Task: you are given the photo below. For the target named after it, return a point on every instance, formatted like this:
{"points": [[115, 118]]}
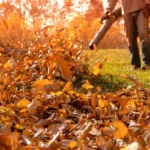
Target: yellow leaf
{"points": [[87, 86], [73, 144], [67, 86], [23, 103], [120, 129], [101, 103], [125, 148], [97, 68], [19, 127]]}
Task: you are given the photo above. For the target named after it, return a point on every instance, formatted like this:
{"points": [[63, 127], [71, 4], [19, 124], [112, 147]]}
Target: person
{"points": [[136, 21]]}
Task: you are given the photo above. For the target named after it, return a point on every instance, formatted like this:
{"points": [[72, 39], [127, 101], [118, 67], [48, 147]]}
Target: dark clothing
{"points": [[137, 26]]}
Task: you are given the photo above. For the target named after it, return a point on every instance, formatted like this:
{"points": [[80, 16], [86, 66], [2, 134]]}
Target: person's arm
{"points": [[146, 10], [109, 5], [147, 1]]}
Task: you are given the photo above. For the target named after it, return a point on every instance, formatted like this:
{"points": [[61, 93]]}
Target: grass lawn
{"points": [[117, 63]]}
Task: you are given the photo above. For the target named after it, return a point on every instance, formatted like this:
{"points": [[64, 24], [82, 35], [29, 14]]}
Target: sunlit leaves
{"points": [[49, 101]]}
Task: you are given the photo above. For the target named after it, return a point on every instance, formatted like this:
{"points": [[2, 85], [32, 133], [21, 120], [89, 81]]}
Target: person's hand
{"points": [[146, 10], [105, 16]]}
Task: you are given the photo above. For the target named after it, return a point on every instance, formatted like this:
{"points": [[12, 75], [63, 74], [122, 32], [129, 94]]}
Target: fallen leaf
{"points": [[73, 144], [46, 85], [120, 129], [23, 103], [63, 64], [33, 106], [94, 100]]}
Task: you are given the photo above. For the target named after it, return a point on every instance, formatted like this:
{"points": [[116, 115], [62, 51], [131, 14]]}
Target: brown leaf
{"points": [[5, 141], [84, 130], [100, 141], [33, 106], [94, 100]]}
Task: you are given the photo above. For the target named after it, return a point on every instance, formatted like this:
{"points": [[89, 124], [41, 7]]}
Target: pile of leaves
{"points": [[40, 109]]}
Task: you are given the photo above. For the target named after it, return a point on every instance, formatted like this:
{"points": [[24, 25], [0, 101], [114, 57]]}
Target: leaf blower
{"points": [[105, 27]]}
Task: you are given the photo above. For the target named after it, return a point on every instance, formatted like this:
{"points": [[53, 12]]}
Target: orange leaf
{"points": [[45, 85], [8, 66], [63, 64], [5, 141], [94, 100], [5, 24], [73, 144], [95, 48], [120, 129], [23, 103], [67, 86]]}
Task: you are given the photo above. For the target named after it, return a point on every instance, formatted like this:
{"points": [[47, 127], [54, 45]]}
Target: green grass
{"points": [[117, 63]]}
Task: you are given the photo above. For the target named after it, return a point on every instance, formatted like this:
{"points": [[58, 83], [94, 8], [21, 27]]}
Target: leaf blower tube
{"points": [[105, 27]]}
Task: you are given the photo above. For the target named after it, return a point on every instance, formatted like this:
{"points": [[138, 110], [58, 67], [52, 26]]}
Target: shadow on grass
{"points": [[106, 83]]}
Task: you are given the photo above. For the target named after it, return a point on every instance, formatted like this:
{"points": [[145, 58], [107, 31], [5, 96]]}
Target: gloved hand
{"points": [[105, 16], [146, 10]]}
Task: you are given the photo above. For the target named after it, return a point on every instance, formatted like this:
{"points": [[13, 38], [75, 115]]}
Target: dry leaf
{"points": [[46, 85], [33, 106], [73, 144], [39, 84], [120, 129], [87, 86], [23, 103], [63, 64], [67, 86], [15, 140], [96, 69], [8, 66], [95, 48], [94, 100], [5, 141]]}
